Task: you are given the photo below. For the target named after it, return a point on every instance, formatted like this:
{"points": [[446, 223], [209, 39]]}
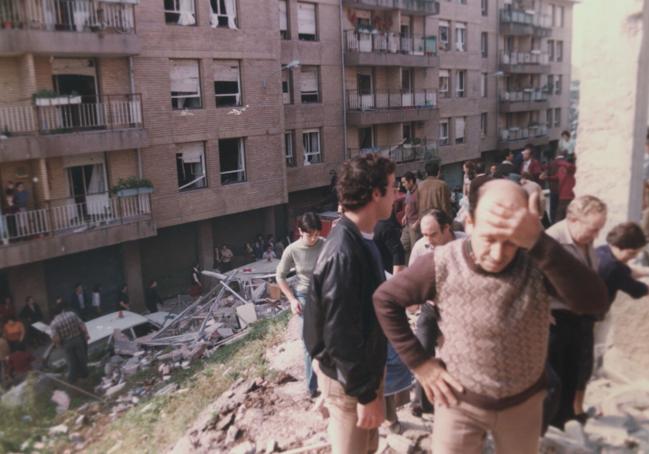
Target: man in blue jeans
{"points": [[302, 255]]}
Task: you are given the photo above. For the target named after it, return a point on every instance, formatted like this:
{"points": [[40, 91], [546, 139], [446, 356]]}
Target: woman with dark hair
{"points": [[302, 255], [469, 175]]}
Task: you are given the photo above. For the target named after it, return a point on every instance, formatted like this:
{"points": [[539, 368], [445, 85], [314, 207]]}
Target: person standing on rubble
{"points": [[70, 333], [302, 255], [340, 326]]}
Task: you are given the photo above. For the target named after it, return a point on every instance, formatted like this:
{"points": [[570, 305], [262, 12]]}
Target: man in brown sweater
{"points": [[433, 193], [493, 294]]}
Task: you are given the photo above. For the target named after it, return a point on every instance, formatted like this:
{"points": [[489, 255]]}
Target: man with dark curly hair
{"points": [[340, 327]]}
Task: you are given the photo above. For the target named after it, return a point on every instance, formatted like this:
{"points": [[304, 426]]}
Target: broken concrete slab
{"points": [[244, 448], [115, 389], [400, 443], [247, 314], [62, 401]]}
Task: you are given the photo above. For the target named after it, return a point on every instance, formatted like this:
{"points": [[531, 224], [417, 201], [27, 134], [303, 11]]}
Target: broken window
{"points": [[309, 82], [232, 160], [289, 149], [459, 130], [227, 83], [190, 166], [180, 12], [287, 87], [283, 20], [311, 143], [224, 13], [307, 29], [185, 84]]}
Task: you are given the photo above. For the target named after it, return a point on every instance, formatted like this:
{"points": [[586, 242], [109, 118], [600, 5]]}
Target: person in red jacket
{"points": [[529, 164], [561, 178]]}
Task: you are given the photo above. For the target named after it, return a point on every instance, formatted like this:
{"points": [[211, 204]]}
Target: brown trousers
{"points": [[344, 436], [463, 429]]}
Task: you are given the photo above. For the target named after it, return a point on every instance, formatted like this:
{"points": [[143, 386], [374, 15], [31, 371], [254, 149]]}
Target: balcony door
{"points": [[84, 115], [88, 189], [407, 87], [365, 90]]}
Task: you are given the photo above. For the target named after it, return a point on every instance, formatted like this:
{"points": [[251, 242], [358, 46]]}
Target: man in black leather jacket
{"points": [[340, 327]]}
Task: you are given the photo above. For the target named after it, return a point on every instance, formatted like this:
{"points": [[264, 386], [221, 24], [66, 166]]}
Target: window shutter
{"points": [[283, 15], [184, 76], [309, 82], [459, 128], [226, 71], [306, 18], [191, 152]]}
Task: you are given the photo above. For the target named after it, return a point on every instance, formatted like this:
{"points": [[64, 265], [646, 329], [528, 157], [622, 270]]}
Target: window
{"points": [[460, 81], [559, 50], [283, 20], [460, 37], [185, 84], [459, 130], [306, 22], [483, 124], [227, 83], [311, 143], [553, 15], [287, 86], [551, 50], [484, 7], [180, 12], [444, 83], [557, 84], [406, 80], [484, 44], [461, 2], [289, 149], [232, 159], [443, 132], [557, 117], [483, 85], [408, 133], [365, 138], [556, 12], [550, 86], [444, 42], [190, 166], [223, 13], [309, 83], [561, 15], [548, 118]]}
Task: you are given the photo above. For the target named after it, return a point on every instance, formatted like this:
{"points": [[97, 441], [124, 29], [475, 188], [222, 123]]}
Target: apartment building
{"points": [[238, 112]]}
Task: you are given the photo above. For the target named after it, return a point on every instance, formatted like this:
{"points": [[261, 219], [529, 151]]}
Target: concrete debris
{"points": [[61, 429], [62, 401], [122, 345], [247, 314], [115, 389], [232, 434], [167, 389], [400, 443], [244, 448]]}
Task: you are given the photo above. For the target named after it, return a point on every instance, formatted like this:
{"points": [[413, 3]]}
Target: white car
{"points": [[101, 330]]}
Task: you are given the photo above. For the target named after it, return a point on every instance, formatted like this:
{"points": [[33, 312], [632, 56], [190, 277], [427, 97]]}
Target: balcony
{"points": [[66, 227], [519, 137], [524, 101], [522, 23], [535, 62], [68, 27], [389, 106], [71, 125], [412, 7], [372, 48]]}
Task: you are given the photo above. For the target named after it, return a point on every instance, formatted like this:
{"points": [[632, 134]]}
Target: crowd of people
{"points": [[505, 293]]}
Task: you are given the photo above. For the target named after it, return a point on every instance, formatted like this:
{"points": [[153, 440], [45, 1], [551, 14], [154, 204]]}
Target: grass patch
{"points": [[167, 417]]}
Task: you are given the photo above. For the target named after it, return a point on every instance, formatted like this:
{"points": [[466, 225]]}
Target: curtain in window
{"points": [[186, 16], [80, 14], [240, 163], [231, 12]]}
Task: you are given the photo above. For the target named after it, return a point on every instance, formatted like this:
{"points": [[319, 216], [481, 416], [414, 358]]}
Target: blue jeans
{"points": [[311, 377]]}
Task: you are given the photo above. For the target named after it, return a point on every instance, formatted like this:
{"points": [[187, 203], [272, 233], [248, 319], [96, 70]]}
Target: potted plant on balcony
{"points": [[132, 186], [51, 98]]}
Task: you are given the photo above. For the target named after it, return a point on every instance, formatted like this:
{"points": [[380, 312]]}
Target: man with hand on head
{"points": [[493, 294]]}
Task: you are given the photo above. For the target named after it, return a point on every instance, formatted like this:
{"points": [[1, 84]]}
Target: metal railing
{"points": [[424, 6], [69, 15], [425, 150], [524, 58], [512, 16], [391, 99], [72, 113], [526, 95], [388, 42], [530, 132], [99, 210]]}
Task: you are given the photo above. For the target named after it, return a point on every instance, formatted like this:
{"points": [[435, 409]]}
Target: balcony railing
{"points": [[72, 113], [69, 15], [424, 6], [387, 99], [390, 43], [526, 95], [512, 16], [524, 58], [530, 132], [423, 151], [99, 210]]}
